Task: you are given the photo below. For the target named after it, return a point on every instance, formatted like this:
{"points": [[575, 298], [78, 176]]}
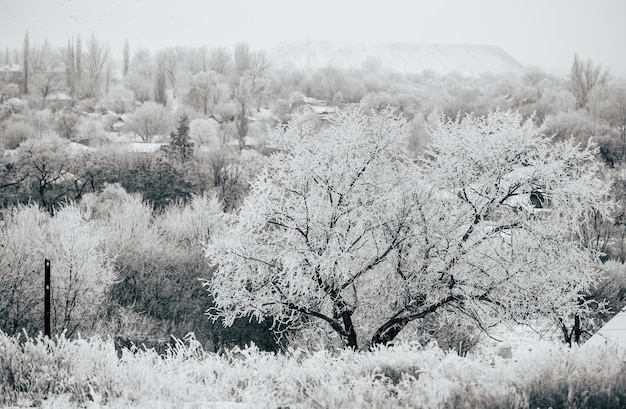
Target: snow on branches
{"points": [[341, 226]]}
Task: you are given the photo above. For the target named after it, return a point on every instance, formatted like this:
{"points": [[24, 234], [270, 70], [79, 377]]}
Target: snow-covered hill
{"points": [[469, 60]]}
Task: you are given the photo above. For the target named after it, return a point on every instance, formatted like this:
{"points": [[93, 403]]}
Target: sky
{"points": [[544, 33]]}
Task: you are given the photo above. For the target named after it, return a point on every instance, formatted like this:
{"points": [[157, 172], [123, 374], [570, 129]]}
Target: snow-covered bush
{"points": [[81, 273]]}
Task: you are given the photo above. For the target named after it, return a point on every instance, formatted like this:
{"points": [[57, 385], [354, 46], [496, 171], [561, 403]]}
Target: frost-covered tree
{"points": [[119, 100], [97, 56], [45, 74], [514, 204], [180, 147], [22, 238], [615, 112], [126, 53], [218, 60], [204, 92], [81, 273], [45, 82], [342, 227], [244, 97], [45, 166], [377, 101], [160, 94], [140, 77], [26, 51], [242, 57], [204, 132], [584, 78], [150, 121]]}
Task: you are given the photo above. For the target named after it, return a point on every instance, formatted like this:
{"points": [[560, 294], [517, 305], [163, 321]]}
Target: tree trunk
{"points": [[577, 331], [387, 333], [346, 316], [573, 334], [390, 329]]}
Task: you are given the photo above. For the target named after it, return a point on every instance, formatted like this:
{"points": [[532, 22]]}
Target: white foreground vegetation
{"points": [[80, 373], [343, 228]]}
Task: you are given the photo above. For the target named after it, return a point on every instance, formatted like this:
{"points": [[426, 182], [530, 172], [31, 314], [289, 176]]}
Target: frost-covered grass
{"points": [[81, 372]]}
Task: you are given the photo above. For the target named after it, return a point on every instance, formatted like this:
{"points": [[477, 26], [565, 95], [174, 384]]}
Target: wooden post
{"points": [[46, 306]]}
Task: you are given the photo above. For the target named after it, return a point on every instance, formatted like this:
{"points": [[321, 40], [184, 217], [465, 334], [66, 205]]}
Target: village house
{"points": [[11, 74]]}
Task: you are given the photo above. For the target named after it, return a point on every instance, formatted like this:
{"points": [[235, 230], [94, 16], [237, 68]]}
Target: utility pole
{"points": [[46, 306]]}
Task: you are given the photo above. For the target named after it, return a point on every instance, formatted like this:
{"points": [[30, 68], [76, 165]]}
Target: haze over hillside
{"points": [[469, 60]]}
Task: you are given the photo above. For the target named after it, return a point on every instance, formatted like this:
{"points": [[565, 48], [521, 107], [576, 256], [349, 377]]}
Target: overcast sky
{"points": [[546, 33]]}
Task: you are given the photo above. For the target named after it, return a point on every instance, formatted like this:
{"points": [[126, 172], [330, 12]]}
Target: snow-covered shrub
{"points": [[16, 132], [81, 273], [407, 375], [194, 222]]}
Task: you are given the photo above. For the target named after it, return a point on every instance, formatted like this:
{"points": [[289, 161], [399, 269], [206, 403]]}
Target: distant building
{"points": [[248, 143], [314, 101], [11, 74], [80, 146], [119, 124], [142, 147], [58, 100], [264, 114], [321, 108], [323, 111]]}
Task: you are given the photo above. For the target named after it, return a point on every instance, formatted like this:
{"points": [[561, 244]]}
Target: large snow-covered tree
{"points": [[341, 226], [514, 205]]}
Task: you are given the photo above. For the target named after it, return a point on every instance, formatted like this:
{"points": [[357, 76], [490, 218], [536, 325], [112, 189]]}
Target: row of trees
{"points": [[51, 172], [46, 70], [212, 82], [232, 86]]}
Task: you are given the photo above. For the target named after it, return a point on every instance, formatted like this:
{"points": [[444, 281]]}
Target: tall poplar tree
{"points": [[126, 57], [26, 60]]}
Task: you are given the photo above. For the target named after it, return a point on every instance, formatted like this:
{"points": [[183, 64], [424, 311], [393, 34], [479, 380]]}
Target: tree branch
{"points": [[332, 322], [390, 329]]}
